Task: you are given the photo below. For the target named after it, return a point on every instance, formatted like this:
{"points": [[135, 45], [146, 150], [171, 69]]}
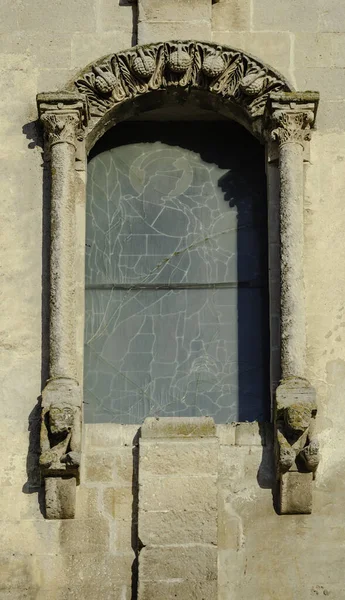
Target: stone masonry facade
{"points": [[130, 520]]}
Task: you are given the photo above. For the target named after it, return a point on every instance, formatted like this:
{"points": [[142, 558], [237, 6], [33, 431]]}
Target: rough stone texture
{"points": [[261, 555], [179, 20], [60, 497], [178, 501], [296, 493]]}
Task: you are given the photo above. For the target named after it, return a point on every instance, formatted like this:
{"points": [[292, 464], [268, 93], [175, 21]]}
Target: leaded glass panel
{"points": [[176, 298]]}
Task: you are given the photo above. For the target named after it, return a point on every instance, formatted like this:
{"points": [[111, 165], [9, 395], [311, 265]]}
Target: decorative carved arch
{"points": [[112, 89], [225, 79]]}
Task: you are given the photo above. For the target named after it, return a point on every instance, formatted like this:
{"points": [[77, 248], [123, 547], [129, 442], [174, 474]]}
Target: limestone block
{"points": [[296, 493], [235, 39], [330, 82], [30, 16], [16, 573], [167, 493], [171, 427], [178, 527], [317, 50], [231, 15], [18, 537], [15, 504], [226, 434], [84, 536], [122, 539], [332, 16], [60, 497], [160, 457], [249, 434], [54, 79], [170, 590], [157, 31], [99, 467], [45, 50], [118, 502], [192, 562], [109, 435], [296, 15], [331, 116], [87, 502], [82, 569], [120, 16], [179, 10], [86, 48]]}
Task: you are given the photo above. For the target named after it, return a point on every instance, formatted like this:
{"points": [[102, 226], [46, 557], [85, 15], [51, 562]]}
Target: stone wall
{"points": [[261, 555]]}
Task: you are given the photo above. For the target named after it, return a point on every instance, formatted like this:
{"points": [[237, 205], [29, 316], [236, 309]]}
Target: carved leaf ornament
{"points": [[220, 70]]}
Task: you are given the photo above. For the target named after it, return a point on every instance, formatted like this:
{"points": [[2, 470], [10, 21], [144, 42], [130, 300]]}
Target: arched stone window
{"points": [[233, 85]]}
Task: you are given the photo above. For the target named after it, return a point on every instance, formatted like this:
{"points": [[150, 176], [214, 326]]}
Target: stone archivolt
{"points": [[220, 70]]}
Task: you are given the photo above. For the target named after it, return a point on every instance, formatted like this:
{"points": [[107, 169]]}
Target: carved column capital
{"points": [[64, 117], [290, 116]]}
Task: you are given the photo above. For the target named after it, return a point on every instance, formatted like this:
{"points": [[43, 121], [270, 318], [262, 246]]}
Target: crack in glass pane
{"points": [[162, 214]]}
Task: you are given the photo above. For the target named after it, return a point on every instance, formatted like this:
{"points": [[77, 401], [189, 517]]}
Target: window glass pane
{"points": [[176, 304]]}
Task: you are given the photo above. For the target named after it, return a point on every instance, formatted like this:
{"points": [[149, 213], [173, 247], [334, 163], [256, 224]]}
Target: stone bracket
{"points": [[296, 445]]}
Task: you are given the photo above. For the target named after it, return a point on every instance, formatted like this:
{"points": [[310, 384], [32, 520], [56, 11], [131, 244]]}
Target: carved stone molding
{"points": [[64, 117], [230, 74]]}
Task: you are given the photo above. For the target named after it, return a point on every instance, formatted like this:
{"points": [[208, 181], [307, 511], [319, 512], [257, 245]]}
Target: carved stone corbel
{"points": [[290, 117], [63, 115]]}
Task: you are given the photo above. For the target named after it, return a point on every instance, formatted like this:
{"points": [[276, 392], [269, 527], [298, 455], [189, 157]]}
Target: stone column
{"points": [[291, 117], [63, 116]]}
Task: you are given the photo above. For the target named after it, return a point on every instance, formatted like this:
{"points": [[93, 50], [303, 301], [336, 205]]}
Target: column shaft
{"points": [[293, 336], [62, 259]]}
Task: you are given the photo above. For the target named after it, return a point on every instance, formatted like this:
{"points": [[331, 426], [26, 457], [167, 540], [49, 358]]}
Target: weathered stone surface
{"points": [[99, 467], [179, 10], [231, 15], [121, 17], [174, 427], [296, 493], [192, 562], [118, 502], [84, 536], [178, 527], [297, 15], [86, 48], [166, 493], [332, 16], [161, 457], [157, 31], [170, 590], [60, 497], [249, 434], [226, 434], [109, 435]]}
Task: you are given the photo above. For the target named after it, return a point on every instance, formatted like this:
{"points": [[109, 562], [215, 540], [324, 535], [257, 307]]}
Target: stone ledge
{"points": [[178, 427]]}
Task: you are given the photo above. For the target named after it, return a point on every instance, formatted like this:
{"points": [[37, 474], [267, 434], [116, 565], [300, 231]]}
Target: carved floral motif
{"points": [[60, 127], [292, 126], [220, 70]]}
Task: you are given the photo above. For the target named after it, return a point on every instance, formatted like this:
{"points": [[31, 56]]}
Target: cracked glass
{"points": [[176, 274]]}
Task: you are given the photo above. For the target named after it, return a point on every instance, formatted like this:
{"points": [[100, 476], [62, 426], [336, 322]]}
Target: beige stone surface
{"points": [[160, 31], [179, 10], [231, 15]]}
